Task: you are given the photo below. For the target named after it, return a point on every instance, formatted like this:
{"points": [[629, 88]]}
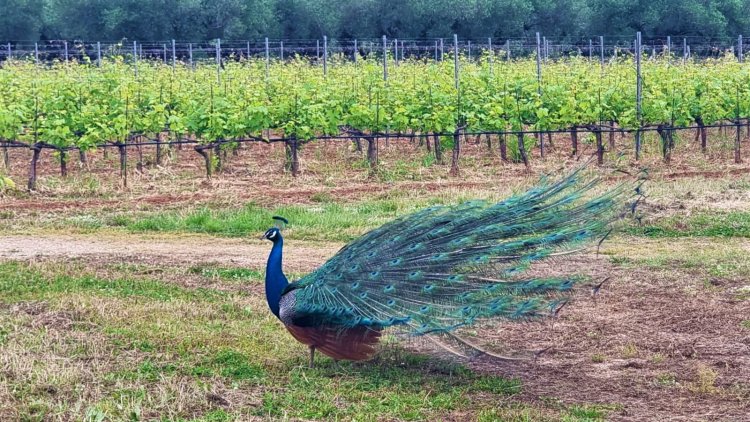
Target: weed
{"points": [[657, 358], [629, 351], [705, 382], [666, 380]]}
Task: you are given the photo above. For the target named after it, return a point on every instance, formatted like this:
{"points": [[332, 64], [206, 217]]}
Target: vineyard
{"points": [[131, 288], [122, 104]]}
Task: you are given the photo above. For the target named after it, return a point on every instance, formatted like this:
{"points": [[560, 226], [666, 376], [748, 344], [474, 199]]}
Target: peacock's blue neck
{"points": [[275, 279]]}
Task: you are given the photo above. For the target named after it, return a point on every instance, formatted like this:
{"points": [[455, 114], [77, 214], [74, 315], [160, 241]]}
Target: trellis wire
{"points": [[390, 135], [419, 48]]}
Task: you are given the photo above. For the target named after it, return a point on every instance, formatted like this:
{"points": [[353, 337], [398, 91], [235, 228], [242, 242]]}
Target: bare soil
{"points": [[660, 345], [335, 168], [163, 250]]}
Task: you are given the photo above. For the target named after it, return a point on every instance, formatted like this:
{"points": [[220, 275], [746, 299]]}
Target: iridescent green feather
{"points": [[447, 266]]}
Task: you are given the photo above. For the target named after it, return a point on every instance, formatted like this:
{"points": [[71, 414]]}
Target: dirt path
{"points": [[167, 250]]}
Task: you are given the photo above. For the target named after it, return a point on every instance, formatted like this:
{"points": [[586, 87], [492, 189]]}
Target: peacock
{"points": [[445, 267]]}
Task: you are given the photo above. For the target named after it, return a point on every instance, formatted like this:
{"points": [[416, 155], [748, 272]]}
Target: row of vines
{"points": [[77, 106]]}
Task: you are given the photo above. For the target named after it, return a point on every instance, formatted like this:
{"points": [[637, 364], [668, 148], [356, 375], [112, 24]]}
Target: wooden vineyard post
{"points": [[372, 151], [395, 51], [325, 55], [385, 58], [684, 50], [611, 135], [455, 61], [737, 143], [457, 133], [522, 150], [158, 149], [135, 57], [574, 140], [438, 149], [539, 86], [123, 163], [456, 152], [638, 95], [218, 60], [63, 162], [503, 141], [36, 150], [599, 144], [268, 59], [294, 149], [218, 165], [83, 157], [491, 57]]}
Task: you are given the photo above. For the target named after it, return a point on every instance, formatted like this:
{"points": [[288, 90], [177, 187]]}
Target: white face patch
{"points": [[272, 235]]}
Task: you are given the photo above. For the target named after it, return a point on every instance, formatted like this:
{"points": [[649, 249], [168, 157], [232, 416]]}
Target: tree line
{"points": [[151, 20]]}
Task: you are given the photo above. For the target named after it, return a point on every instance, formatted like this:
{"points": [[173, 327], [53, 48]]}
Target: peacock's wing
{"points": [[444, 267]]}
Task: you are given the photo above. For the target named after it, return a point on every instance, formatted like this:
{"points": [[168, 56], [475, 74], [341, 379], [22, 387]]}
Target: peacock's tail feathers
{"points": [[447, 266]]}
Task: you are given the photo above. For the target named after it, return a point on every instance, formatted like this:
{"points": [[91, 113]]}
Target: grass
{"points": [[713, 259], [19, 282], [342, 222], [76, 346], [714, 224], [228, 274], [329, 221]]}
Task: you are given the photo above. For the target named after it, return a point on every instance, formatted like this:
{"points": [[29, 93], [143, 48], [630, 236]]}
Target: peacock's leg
{"points": [[312, 356]]}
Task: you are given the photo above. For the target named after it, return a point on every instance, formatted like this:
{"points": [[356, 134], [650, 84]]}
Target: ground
{"points": [[147, 302]]}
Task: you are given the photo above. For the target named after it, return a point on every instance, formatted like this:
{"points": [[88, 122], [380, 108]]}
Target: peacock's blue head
{"points": [[273, 234]]}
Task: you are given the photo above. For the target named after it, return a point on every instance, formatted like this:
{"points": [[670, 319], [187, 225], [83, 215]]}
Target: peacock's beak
{"points": [[262, 237]]}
